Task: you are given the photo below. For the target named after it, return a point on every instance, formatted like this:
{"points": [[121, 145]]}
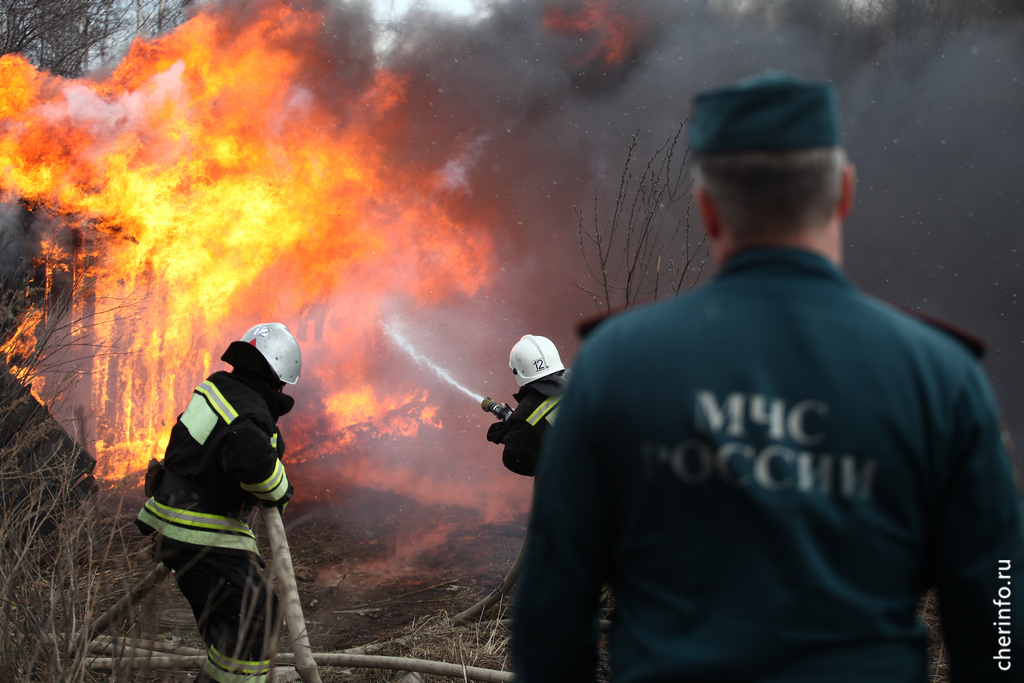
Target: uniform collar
{"points": [[278, 403], [548, 386], [781, 261]]}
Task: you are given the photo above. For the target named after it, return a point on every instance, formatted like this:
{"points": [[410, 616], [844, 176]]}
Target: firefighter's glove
{"points": [[282, 502], [154, 475], [497, 431]]}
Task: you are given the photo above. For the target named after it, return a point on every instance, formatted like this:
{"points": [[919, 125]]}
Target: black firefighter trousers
{"points": [[235, 610]]}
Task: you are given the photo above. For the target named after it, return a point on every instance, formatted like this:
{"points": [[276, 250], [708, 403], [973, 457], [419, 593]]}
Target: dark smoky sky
{"points": [[523, 123]]}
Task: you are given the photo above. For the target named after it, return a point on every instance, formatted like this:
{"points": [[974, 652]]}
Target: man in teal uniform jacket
{"points": [[772, 470]]}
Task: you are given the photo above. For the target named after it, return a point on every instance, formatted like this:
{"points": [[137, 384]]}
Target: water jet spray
{"points": [[396, 336]]}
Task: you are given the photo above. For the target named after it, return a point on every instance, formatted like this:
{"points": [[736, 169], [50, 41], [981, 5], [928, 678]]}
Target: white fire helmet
{"points": [[279, 347], [532, 358]]}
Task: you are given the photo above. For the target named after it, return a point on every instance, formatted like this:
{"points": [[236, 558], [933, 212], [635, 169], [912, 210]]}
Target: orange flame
{"points": [[391, 416], [20, 346], [216, 180], [613, 34]]}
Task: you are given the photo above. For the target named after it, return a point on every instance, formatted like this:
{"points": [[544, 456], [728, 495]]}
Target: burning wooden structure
{"points": [[43, 471]]}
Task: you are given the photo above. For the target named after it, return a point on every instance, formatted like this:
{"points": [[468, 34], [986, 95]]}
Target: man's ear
{"points": [[709, 214], [847, 191]]}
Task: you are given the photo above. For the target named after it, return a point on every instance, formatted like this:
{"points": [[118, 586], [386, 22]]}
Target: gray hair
{"points": [[773, 192]]}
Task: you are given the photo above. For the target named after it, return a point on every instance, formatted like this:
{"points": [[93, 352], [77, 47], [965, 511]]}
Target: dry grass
{"points": [[437, 638], [62, 561], [938, 659], [53, 586]]}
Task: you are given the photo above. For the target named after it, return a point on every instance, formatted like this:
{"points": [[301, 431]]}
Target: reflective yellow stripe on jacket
{"points": [[198, 528], [217, 400], [273, 487], [199, 418], [548, 406]]}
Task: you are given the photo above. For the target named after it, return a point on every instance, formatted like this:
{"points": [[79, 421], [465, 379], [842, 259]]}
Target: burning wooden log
{"points": [[43, 471]]}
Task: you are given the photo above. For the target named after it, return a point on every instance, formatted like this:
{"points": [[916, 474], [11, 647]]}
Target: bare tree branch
{"points": [[628, 253]]}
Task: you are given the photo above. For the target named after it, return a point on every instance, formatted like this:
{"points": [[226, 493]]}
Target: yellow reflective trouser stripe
{"points": [[543, 409], [226, 670], [231, 533], [217, 400], [273, 487]]}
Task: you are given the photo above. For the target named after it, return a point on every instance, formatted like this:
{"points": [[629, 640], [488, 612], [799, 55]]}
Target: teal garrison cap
{"points": [[770, 111]]}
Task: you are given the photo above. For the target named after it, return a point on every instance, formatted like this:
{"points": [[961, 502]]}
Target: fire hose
{"points": [[147, 659], [502, 410], [305, 665], [480, 608], [304, 662]]}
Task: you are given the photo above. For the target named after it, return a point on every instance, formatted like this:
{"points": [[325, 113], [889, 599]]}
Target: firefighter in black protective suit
{"points": [[223, 457], [539, 371]]}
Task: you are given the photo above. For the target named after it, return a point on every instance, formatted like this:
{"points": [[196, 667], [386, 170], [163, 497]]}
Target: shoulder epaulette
{"points": [[588, 325], [973, 342]]}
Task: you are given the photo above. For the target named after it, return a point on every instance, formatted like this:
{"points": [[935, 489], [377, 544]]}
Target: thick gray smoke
{"points": [[527, 123], [520, 117]]}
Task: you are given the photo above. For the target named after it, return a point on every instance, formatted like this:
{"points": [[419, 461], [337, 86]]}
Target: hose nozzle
{"points": [[502, 411]]}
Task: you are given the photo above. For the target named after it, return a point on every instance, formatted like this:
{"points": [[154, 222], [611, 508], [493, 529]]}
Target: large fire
{"points": [[222, 178]]}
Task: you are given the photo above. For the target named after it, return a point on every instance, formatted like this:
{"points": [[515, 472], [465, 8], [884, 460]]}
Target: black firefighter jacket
{"points": [[523, 432], [223, 456]]}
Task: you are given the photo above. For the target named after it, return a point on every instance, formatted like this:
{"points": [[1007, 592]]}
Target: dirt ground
{"points": [[368, 568], [380, 561]]}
